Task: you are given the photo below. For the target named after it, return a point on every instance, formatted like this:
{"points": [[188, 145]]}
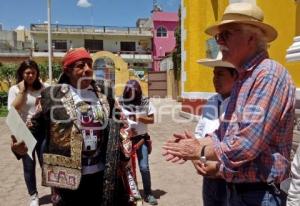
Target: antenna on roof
{"points": [[154, 3], [156, 7]]}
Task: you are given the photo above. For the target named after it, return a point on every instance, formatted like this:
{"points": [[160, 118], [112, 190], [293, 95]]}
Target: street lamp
{"points": [[49, 42]]}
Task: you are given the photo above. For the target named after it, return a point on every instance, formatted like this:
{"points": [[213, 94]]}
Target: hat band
{"points": [[239, 17]]}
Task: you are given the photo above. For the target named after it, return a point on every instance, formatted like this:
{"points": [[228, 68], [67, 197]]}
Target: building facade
{"points": [[164, 42], [15, 46], [150, 41]]}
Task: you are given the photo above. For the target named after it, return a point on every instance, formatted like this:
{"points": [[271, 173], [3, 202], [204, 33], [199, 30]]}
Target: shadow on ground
{"points": [[46, 199], [156, 193]]}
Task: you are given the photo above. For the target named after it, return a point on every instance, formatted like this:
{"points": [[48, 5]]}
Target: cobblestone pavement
{"points": [[172, 184]]}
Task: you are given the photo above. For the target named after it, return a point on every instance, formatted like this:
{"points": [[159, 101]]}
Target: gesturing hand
{"points": [[183, 146], [19, 148], [21, 86], [210, 168]]}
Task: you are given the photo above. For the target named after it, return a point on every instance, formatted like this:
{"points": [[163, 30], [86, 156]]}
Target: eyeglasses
{"points": [[81, 64], [223, 36]]}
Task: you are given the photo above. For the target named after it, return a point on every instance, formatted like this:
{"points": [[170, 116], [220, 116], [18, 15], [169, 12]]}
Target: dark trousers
{"points": [[29, 170], [89, 192], [254, 194], [143, 159], [214, 192]]}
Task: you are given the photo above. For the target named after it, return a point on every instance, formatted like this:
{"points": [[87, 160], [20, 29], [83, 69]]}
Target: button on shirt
{"points": [[254, 140], [209, 120]]}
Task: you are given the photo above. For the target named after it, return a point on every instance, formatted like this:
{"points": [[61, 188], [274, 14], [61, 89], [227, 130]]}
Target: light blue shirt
{"points": [[212, 111]]}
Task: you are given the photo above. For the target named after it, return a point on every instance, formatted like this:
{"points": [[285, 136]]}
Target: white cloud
{"points": [[20, 27], [84, 3]]}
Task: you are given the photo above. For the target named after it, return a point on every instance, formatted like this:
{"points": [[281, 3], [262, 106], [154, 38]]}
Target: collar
{"points": [[252, 63], [221, 99]]}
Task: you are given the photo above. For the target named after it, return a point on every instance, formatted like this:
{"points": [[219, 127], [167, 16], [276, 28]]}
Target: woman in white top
{"points": [[25, 96], [140, 112]]}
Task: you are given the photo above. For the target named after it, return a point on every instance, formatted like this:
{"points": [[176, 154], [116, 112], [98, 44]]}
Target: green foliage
{"points": [[56, 71], [8, 73], [176, 56], [3, 111], [3, 104], [3, 98]]}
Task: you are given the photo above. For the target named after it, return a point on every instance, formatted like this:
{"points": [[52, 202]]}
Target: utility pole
{"points": [[49, 43]]}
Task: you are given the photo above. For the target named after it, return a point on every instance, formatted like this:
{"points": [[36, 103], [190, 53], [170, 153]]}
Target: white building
{"points": [[133, 44]]}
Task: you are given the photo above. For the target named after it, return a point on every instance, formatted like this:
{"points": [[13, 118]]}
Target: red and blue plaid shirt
{"points": [[254, 139]]}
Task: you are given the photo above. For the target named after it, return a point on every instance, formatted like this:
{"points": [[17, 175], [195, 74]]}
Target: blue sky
{"points": [[14, 13]]}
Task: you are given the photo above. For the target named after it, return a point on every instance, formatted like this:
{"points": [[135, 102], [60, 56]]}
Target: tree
{"points": [[56, 71], [8, 73], [176, 55]]}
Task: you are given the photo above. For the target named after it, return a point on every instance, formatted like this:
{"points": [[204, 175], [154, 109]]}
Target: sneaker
{"points": [[34, 200], [151, 200]]}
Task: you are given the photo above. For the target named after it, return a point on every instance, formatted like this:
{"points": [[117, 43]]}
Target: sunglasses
{"points": [[81, 64], [224, 35]]}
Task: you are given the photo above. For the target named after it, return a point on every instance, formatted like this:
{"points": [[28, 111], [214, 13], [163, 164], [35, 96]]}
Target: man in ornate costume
{"points": [[81, 157]]}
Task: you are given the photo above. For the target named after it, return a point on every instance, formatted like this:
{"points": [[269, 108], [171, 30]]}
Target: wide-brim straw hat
{"points": [[244, 13], [217, 62]]}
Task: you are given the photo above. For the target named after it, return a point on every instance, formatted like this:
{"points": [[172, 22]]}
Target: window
{"points": [[105, 70], [212, 48], [60, 45], [93, 45], [127, 46], [161, 32]]}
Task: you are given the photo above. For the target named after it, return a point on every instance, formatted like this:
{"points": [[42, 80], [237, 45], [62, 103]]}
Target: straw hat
{"points": [[217, 62], [244, 13]]}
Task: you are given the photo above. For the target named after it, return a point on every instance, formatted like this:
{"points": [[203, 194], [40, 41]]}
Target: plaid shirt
{"points": [[254, 139]]}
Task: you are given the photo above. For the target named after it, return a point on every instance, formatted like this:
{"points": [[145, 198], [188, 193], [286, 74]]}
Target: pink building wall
{"points": [[163, 45]]}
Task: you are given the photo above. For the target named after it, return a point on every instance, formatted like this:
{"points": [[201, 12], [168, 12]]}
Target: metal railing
{"points": [[90, 29]]}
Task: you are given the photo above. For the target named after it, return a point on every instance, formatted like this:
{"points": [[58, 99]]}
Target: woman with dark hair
{"points": [[25, 97], [140, 112]]}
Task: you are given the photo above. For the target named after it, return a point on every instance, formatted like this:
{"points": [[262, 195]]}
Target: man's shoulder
{"points": [[271, 66], [213, 98], [53, 88], [54, 92]]}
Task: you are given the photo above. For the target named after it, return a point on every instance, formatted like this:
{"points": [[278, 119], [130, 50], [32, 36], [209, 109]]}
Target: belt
{"points": [[257, 186]]}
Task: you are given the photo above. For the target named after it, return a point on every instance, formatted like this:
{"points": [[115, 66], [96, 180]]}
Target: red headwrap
{"points": [[74, 55]]}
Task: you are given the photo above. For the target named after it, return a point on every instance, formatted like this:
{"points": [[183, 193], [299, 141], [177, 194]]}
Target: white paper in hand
{"points": [[19, 129]]}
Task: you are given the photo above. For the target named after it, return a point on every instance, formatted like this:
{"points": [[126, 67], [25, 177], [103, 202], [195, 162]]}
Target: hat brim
{"points": [[269, 31], [215, 63]]}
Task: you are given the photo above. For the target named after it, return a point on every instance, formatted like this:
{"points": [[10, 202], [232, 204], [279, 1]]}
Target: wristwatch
{"points": [[202, 155]]}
